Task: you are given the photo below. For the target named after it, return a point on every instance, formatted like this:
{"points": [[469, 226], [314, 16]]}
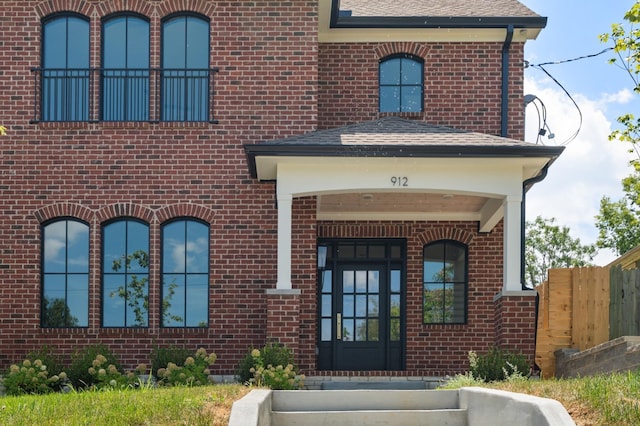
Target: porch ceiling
{"points": [[385, 205]]}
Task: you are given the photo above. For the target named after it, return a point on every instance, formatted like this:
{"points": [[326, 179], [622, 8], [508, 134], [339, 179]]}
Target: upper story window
{"points": [[185, 274], [65, 274], [401, 84], [125, 63], [125, 274], [65, 68], [185, 64], [125, 86], [445, 283]]}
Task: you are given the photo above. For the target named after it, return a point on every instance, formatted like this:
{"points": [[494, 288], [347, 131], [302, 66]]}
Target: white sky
{"points": [[591, 166]]}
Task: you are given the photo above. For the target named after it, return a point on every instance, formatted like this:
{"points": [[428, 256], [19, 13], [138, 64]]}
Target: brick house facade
{"points": [[262, 210]]}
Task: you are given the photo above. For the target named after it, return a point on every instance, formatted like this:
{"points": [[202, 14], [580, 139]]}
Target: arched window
{"points": [[65, 274], [185, 64], [65, 68], [125, 274], [125, 63], [401, 84], [185, 274], [445, 283]]}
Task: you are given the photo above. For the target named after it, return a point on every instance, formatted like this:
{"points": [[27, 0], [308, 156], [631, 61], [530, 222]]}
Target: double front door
{"points": [[361, 298]]}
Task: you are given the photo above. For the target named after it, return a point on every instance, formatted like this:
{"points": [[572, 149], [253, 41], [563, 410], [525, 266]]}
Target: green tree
{"points": [[56, 313], [135, 293], [618, 222], [548, 245], [626, 46]]}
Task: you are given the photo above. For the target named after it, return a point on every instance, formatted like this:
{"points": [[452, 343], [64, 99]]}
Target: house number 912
{"points": [[399, 181]]}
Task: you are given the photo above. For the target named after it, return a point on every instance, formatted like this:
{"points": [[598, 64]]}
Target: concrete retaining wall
{"points": [[617, 355]]}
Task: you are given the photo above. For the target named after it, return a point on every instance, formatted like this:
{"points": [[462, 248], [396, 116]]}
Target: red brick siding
{"points": [[462, 84], [515, 322], [266, 88]]}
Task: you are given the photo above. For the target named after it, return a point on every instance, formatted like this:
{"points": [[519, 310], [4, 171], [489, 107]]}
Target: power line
{"points": [[541, 66]]}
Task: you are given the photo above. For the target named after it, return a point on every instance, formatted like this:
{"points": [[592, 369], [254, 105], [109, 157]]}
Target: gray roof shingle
{"points": [[441, 8], [396, 131]]}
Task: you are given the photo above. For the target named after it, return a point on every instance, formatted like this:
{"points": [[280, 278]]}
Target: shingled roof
{"points": [[396, 137], [479, 14], [443, 8]]}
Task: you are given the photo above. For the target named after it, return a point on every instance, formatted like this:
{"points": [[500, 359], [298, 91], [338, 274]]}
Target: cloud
{"points": [[590, 167], [623, 96]]}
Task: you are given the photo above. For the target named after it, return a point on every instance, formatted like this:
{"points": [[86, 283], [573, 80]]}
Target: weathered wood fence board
{"points": [[625, 297]]}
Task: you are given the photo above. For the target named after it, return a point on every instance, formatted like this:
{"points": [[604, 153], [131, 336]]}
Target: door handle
{"points": [[339, 326]]}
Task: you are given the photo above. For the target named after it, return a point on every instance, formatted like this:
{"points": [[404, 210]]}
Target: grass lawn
{"points": [[193, 406], [605, 400]]}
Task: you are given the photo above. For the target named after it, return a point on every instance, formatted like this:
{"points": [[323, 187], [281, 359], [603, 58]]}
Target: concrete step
{"points": [[452, 417], [364, 400]]}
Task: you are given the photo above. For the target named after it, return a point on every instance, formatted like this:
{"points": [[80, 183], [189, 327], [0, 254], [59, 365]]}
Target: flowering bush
{"points": [[278, 377], [83, 359], [107, 376], [194, 372], [31, 377], [272, 353]]}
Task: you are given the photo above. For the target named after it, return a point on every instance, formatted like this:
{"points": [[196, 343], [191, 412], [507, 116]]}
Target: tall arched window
{"points": [[185, 63], [185, 274], [65, 68], [401, 84], [445, 283], [125, 63], [65, 274], [125, 274]]}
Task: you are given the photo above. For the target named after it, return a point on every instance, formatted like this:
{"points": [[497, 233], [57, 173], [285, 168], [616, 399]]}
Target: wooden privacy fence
{"points": [[625, 294], [573, 313]]}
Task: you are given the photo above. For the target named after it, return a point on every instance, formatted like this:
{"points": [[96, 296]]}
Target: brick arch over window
{"points": [[51, 7], [185, 210], [125, 210], [388, 49], [64, 210], [203, 7], [142, 7], [453, 234]]}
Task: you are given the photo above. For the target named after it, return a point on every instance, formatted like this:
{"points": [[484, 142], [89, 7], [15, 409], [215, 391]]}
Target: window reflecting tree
{"points": [[65, 274]]}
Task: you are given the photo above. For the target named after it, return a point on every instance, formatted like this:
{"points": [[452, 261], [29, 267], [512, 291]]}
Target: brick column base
{"points": [[515, 322], [283, 317]]}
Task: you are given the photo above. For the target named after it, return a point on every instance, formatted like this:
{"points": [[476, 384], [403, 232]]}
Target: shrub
{"points": [[31, 377], [83, 359], [278, 377], [48, 358], [271, 354], [107, 376], [193, 372], [162, 357], [498, 365]]}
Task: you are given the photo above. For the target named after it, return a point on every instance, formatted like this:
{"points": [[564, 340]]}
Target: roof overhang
{"points": [[334, 28], [264, 158]]}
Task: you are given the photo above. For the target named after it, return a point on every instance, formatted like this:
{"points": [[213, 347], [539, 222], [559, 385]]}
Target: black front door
{"points": [[361, 300]]}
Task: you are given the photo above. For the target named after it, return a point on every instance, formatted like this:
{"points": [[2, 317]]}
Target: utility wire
{"points": [[541, 67]]}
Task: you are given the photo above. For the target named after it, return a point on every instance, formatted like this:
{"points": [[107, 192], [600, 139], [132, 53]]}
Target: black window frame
{"points": [[408, 56], [44, 273], [444, 282], [123, 270], [69, 77], [163, 226], [189, 73], [131, 73]]}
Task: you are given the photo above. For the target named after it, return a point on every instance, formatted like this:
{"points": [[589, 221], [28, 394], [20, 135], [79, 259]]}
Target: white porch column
{"points": [[284, 241], [512, 243]]}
